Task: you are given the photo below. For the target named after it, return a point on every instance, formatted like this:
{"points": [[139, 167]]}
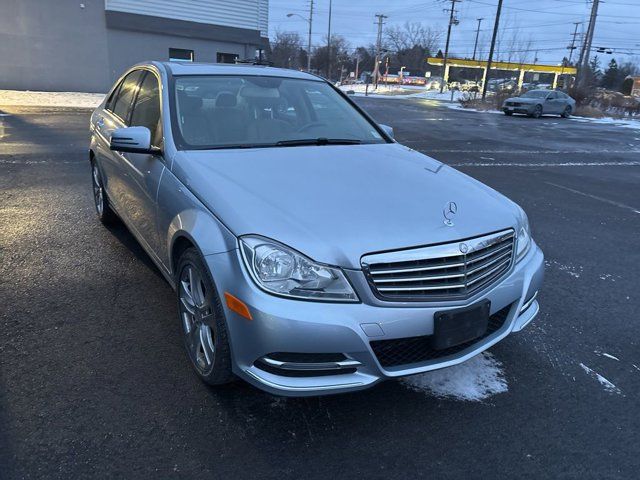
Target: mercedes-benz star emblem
{"points": [[449, 211], [464, 248]]}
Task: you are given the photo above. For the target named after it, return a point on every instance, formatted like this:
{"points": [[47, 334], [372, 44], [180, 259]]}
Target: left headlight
{"points": [[523, 236], [281, 270]]}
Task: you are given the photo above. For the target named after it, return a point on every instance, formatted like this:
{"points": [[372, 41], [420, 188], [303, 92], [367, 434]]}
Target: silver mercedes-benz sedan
{"points": [[310, 253]]}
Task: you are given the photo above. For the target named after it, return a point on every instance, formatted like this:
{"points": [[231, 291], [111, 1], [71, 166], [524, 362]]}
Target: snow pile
{"points": [[474, 380], [50, 99]]}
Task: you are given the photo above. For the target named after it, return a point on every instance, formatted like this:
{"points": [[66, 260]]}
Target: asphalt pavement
{"points": [[94, 381]]}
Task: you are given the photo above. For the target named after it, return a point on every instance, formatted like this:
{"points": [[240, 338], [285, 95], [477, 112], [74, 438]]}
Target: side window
{"points": [[112, 98], [146, 112], [126, 93], [552, 96]]}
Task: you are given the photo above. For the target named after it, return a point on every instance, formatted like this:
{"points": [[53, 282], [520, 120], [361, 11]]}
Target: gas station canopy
{"points": [[513, 66]]}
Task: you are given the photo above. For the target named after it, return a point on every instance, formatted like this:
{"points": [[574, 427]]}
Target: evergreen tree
{"points": [[611, 78]]}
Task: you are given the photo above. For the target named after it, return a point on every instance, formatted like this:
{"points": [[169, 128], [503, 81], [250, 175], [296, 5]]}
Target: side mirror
{"points": [[387, 129], [132, 140]]}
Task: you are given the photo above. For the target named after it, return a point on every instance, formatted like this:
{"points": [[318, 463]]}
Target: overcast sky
{"points": [[548, 23]]}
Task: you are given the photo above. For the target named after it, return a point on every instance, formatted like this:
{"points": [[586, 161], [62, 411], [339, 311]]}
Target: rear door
{"points": [[552, 103], [143, 171]]}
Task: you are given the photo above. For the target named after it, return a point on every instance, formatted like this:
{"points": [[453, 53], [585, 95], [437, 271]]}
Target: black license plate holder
{"points": [[460, 325]]}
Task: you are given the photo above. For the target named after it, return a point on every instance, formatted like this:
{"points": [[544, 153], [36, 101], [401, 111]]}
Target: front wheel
{"points": [[105, 213], [537, 112], [202, 320], [508, 113], [567, 112]]}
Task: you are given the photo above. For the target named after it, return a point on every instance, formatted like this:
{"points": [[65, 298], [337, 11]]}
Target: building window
{"points": [[180, 55], [226, 57]]}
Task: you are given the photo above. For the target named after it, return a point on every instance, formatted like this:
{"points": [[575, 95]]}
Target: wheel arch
{"points": [[193, 228]]}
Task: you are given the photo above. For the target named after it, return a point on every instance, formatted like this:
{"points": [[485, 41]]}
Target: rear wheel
{"points": [[537, 112], [567, 112], [106, 215], [202, 320]]}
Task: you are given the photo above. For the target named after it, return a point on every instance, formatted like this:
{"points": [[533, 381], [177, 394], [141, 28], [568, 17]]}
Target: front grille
{"points": [[405, 351], [440, 272]]}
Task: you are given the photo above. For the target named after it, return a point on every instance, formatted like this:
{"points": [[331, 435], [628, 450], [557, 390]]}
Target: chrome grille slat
{"points": [[441, 272], [419, 269]]}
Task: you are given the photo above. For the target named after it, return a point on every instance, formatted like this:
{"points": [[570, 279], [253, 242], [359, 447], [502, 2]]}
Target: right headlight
{"points": [[523, 236], [281, 270]]}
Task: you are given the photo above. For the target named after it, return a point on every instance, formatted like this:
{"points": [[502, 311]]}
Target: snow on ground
{"points": [[405, 91], [474, 380], [606, 384], [50, 99]]}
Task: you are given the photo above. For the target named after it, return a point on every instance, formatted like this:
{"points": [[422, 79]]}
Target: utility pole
{"points": [[475, 45], [573, 41], [485, 81], [452, 19], [329, 44], [309, 42], [376, 68], [588, 39]]}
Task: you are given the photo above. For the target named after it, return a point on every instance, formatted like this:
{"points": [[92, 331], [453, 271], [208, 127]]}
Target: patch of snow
{"points": [[474, 380], [608, 386], [572, 270], [50, 99], [632, 123], [604, 354]]}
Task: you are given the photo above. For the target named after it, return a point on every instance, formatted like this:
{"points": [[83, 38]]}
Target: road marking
{"points": [[547, 164], [595, 197]]}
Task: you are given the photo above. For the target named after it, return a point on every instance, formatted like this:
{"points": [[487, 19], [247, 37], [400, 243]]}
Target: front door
{"points": [[143, 171]]}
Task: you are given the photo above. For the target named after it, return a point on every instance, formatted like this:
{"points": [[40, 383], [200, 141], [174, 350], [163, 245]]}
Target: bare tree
{"points": [[410, 44], [287, 51]]}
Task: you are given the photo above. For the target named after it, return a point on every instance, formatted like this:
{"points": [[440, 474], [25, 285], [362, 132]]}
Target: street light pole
{"points": [[310, 22]]}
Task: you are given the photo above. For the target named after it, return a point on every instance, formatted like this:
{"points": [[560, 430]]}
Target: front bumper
{"points": [[525, 109], [285, 325]]}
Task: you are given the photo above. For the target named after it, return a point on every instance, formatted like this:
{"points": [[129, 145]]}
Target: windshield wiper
{"points": [[318, 141]]}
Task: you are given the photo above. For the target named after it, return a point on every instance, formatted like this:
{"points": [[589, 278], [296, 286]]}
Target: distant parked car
{"points": [[433, 83], [470, 86], [540, 102]]}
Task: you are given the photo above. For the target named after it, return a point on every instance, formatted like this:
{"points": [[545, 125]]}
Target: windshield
{"points": [[252, 111], [535, 94]]}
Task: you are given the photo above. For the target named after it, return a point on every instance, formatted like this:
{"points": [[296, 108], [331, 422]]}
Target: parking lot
{"points": [[95, 382]]}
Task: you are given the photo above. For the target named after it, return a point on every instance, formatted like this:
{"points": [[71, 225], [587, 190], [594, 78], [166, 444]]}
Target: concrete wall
{"points": [[75, 45], [150, 46], [53, 45]]}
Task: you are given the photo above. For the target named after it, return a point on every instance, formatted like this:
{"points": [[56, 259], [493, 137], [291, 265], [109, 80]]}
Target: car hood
{"points": [[337, 203]]}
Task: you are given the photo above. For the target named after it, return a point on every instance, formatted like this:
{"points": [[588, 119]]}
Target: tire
{"points": [[202, 321], [508, 114], [567, 112], [537, 112], [100, 200]]}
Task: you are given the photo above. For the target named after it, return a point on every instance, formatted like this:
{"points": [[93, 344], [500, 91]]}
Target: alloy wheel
{"points": [[196, 313], [98, 195]]}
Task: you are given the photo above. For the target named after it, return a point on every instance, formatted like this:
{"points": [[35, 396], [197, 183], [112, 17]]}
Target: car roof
{"points": [[194, 68]]}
